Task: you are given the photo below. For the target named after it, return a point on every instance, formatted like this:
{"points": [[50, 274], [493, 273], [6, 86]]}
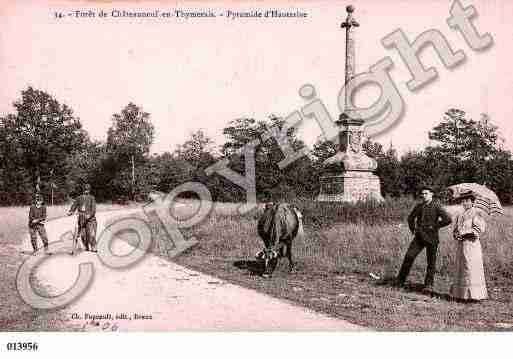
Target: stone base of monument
{"points": [[350, 186]]}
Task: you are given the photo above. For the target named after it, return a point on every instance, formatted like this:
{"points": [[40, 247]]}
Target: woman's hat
{"points": [[467, 194]]}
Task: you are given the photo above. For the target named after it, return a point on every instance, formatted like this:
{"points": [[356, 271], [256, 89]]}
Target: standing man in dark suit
{"points": [[424, 222], [37, 217], [86, 206]]}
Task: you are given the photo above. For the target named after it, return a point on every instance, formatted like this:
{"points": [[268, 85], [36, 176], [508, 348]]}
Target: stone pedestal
{"points": [[348, 175], [351, 186]]}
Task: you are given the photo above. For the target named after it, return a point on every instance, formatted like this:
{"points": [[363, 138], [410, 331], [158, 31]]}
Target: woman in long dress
{"points": [[469, 280]]}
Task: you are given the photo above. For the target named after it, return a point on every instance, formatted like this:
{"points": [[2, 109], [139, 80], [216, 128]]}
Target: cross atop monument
{"points": [[349, 25], [350, 125]]}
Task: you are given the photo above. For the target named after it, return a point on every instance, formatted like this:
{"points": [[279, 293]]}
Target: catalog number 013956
{"points": [[22, 346]]}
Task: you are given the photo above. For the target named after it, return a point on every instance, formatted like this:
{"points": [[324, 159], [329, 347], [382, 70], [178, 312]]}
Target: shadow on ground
{"points": [[414, 287], [254, 267]]}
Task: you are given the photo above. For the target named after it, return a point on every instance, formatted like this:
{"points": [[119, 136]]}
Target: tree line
{"points": [[44, 147]]}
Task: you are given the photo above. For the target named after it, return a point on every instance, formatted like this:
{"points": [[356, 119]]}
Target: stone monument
{"points": [[348, 175]]}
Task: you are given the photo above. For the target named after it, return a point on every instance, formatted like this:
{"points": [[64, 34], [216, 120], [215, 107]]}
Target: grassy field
{"points": [[339, 259], [15, 315], [339, 263]]}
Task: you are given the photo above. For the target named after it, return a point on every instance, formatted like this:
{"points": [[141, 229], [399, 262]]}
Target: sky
{"points": [[201, 73]]}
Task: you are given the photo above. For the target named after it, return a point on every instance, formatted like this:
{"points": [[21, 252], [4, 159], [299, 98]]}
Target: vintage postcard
{"points": [[250, 166]]}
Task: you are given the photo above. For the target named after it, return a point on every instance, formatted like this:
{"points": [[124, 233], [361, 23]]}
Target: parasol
{"points": [[486, 199]]}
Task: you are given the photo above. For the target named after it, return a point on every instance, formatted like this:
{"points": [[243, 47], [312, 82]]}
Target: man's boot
{"points": [[34, 247], [85, 243]]}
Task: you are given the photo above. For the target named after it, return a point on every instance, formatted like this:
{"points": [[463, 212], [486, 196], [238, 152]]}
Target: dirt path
{"points": [[169, 296]]}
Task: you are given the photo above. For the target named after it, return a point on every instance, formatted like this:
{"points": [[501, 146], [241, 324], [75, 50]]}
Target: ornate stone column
{"points": [[350, 70], [348, 175]]}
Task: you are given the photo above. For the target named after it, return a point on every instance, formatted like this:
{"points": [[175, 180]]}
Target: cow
{"points": [[278, 226]]}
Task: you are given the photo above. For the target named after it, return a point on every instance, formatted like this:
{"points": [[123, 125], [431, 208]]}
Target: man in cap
{"points": [[37, 217], [86, 207], [424, 222]]}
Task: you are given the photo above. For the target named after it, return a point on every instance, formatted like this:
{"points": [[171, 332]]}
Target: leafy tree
{"points": [[193, 156], [464, 145], [415, 172], [322, 150], [14, 178], [45, 133], [199, 148], [128, 142], [271, 181], [147, 178], [462, 138], [239, 132], [499, 172], [131, 133], [84, 165], [390, 173], [295, 179], [172, 171]]}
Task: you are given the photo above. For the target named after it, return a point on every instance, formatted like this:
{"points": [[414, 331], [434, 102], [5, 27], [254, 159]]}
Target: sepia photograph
{"points": [[233, 166]]}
